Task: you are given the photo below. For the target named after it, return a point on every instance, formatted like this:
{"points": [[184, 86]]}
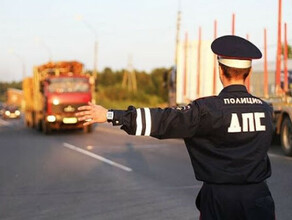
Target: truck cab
{"points": [[62, 97]]}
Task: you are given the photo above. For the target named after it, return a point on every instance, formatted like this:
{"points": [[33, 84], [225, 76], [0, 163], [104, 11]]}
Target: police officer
{"points": [[227, 137]]}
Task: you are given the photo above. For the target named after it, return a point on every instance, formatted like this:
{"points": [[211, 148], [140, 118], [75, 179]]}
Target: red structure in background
{"points": [[233, 24], [199, 62], [248, 78], [266, 79], [185, 64], [285, 59], [215, 61], [279, 48]]}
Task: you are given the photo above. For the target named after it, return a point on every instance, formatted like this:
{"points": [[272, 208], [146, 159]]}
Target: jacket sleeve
{"points": [[159, 123]]}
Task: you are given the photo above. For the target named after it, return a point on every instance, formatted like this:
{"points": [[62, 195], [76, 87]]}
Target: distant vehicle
{"points": [[10, 112], [14, 97], [1, 108]]}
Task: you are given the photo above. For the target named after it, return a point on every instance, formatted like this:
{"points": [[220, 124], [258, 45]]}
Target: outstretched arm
{"points": [[155, 122]]}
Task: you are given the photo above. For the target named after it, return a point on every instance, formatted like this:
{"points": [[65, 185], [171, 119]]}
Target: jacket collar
{"points": [[234, 88]]}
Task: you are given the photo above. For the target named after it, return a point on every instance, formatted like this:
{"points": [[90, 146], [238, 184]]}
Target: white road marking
{"points": [[197, 186], [136, 146], [95, 156], [279, 156], [153, 146], [4, 122]]}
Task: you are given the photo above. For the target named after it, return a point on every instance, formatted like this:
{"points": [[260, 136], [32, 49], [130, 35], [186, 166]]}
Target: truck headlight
{"points": [[7, 113], [17, 112], [56, 101], [51, 118]]}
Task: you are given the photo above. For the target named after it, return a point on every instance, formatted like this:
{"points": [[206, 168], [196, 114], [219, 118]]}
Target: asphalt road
{"points": [[107, 175]]}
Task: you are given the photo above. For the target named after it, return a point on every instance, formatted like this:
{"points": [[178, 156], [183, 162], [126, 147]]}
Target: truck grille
{"points": [[65, 108]]}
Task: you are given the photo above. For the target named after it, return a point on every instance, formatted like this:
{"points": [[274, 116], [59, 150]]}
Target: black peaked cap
{"points": [[235, 47]]}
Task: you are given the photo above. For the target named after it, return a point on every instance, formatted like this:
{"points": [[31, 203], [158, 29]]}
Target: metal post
{"points": [[177, 36], [95, 57], [215, 61], [248, 77], [185, 65], [173, 73], [95, 51], [95, 70], [266, 84], [279, 48], [199, 62], [233, 24], [285, 59]]}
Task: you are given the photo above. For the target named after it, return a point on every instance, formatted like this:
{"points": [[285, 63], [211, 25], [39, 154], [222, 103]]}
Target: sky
{"points": [[36, 31]]}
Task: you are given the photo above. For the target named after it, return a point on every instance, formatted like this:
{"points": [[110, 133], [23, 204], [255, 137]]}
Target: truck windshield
{"points": [[62, 85]]}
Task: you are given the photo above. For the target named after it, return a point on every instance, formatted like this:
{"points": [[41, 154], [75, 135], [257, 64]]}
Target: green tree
{"points": [[157, 77], [289, 51], [150, 92]]}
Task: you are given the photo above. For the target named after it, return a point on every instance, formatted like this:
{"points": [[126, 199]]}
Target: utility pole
{"points": [[279, 49], [172, 79], [129, 77], [186, 46], [199, 63], [177, 35], [215, 61], [233, 24], [95, 51], [248, 77], [95, 60], [266, 79], [286, 82]]}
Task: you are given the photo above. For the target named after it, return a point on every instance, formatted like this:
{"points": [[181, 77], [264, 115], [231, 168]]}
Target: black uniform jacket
{"points": [[227, 136]]}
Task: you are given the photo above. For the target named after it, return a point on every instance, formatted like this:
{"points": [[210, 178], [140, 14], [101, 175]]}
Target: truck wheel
{"points": [[46, 128], [286, 136], [39, 125], [87, 129], [27, 124], [28, 120]]}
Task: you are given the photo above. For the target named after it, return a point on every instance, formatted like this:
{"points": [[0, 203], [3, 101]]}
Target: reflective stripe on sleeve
{"points": [[138, 123], [143, 122], [148, 121]]}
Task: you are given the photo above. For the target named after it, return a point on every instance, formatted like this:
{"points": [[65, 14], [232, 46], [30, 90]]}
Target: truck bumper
{"points": [[63, 122]]}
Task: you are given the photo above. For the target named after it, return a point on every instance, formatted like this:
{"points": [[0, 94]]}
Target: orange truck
{"points": [[53, 94]]}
